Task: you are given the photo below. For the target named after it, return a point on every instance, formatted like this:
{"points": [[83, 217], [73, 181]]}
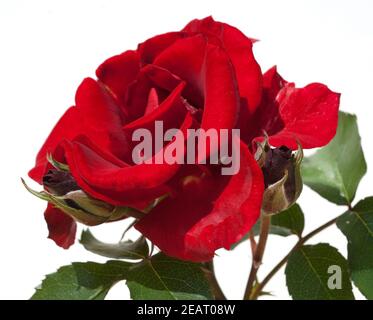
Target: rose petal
{"points": [[102, 119], [153, 101], [97, 116], [152, 47], [62, 228], [150, 77], [209, 77], [208, 73], [66, 128], [119, 71], [288, 114], [211, 213], [117, 184], [273, 83], [221, 92], [171, 111], [310, 115], [185, 58], [239, 49], [267, 117]]}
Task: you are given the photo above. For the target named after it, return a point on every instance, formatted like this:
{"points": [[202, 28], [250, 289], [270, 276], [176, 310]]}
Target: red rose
{"points": [[204, 76]]}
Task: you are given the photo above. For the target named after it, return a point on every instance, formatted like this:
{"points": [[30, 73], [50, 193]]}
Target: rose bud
{"points": [[101, 210], [62, 191], [62, 183], [59, 182], [282, 179]]}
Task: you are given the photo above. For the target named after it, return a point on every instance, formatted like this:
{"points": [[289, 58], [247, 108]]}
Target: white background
{"points": [[48, 47]]}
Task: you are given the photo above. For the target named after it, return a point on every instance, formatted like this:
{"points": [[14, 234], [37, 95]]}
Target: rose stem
{"points": [[215, 287], [252, 242], [258, 289], [258, 255]]}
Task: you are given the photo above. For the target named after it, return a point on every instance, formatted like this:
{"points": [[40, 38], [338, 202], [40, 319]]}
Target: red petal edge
{"points": [[308, 115], [213, 214], [62, 228]]}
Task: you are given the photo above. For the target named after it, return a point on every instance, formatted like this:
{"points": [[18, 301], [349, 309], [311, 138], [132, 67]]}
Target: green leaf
{"points": [[310, 274], [121, 250], [336, 170], [82, 281], [357, 226], [159, 278], [287, 223], [165, 278]]}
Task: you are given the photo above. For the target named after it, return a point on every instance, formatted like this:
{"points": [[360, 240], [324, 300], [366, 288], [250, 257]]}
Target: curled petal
{"points": [[266, 118], [310, 115], [212, 212], [104, 180], [239, 49], [97, 116], [273, 83], [62, 228], [118, 72], [117, 182], [171, 111], [185, 58], [152, 79], [288, 114], [102, 119], [221, 92], [152, 47], [66, 128], [209, 77]]}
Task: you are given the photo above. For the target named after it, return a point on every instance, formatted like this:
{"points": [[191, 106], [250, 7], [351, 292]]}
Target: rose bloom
{"points": [[204, 76]]}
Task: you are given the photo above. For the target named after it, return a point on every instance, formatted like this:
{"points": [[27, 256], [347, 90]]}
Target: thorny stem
{"points": [[258, 254], [258, 289]]}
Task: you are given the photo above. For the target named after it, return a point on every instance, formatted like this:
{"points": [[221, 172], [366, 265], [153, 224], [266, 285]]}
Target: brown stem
{"points": [[258, 289], [215, 287], [258, 255], [253, 244]]}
